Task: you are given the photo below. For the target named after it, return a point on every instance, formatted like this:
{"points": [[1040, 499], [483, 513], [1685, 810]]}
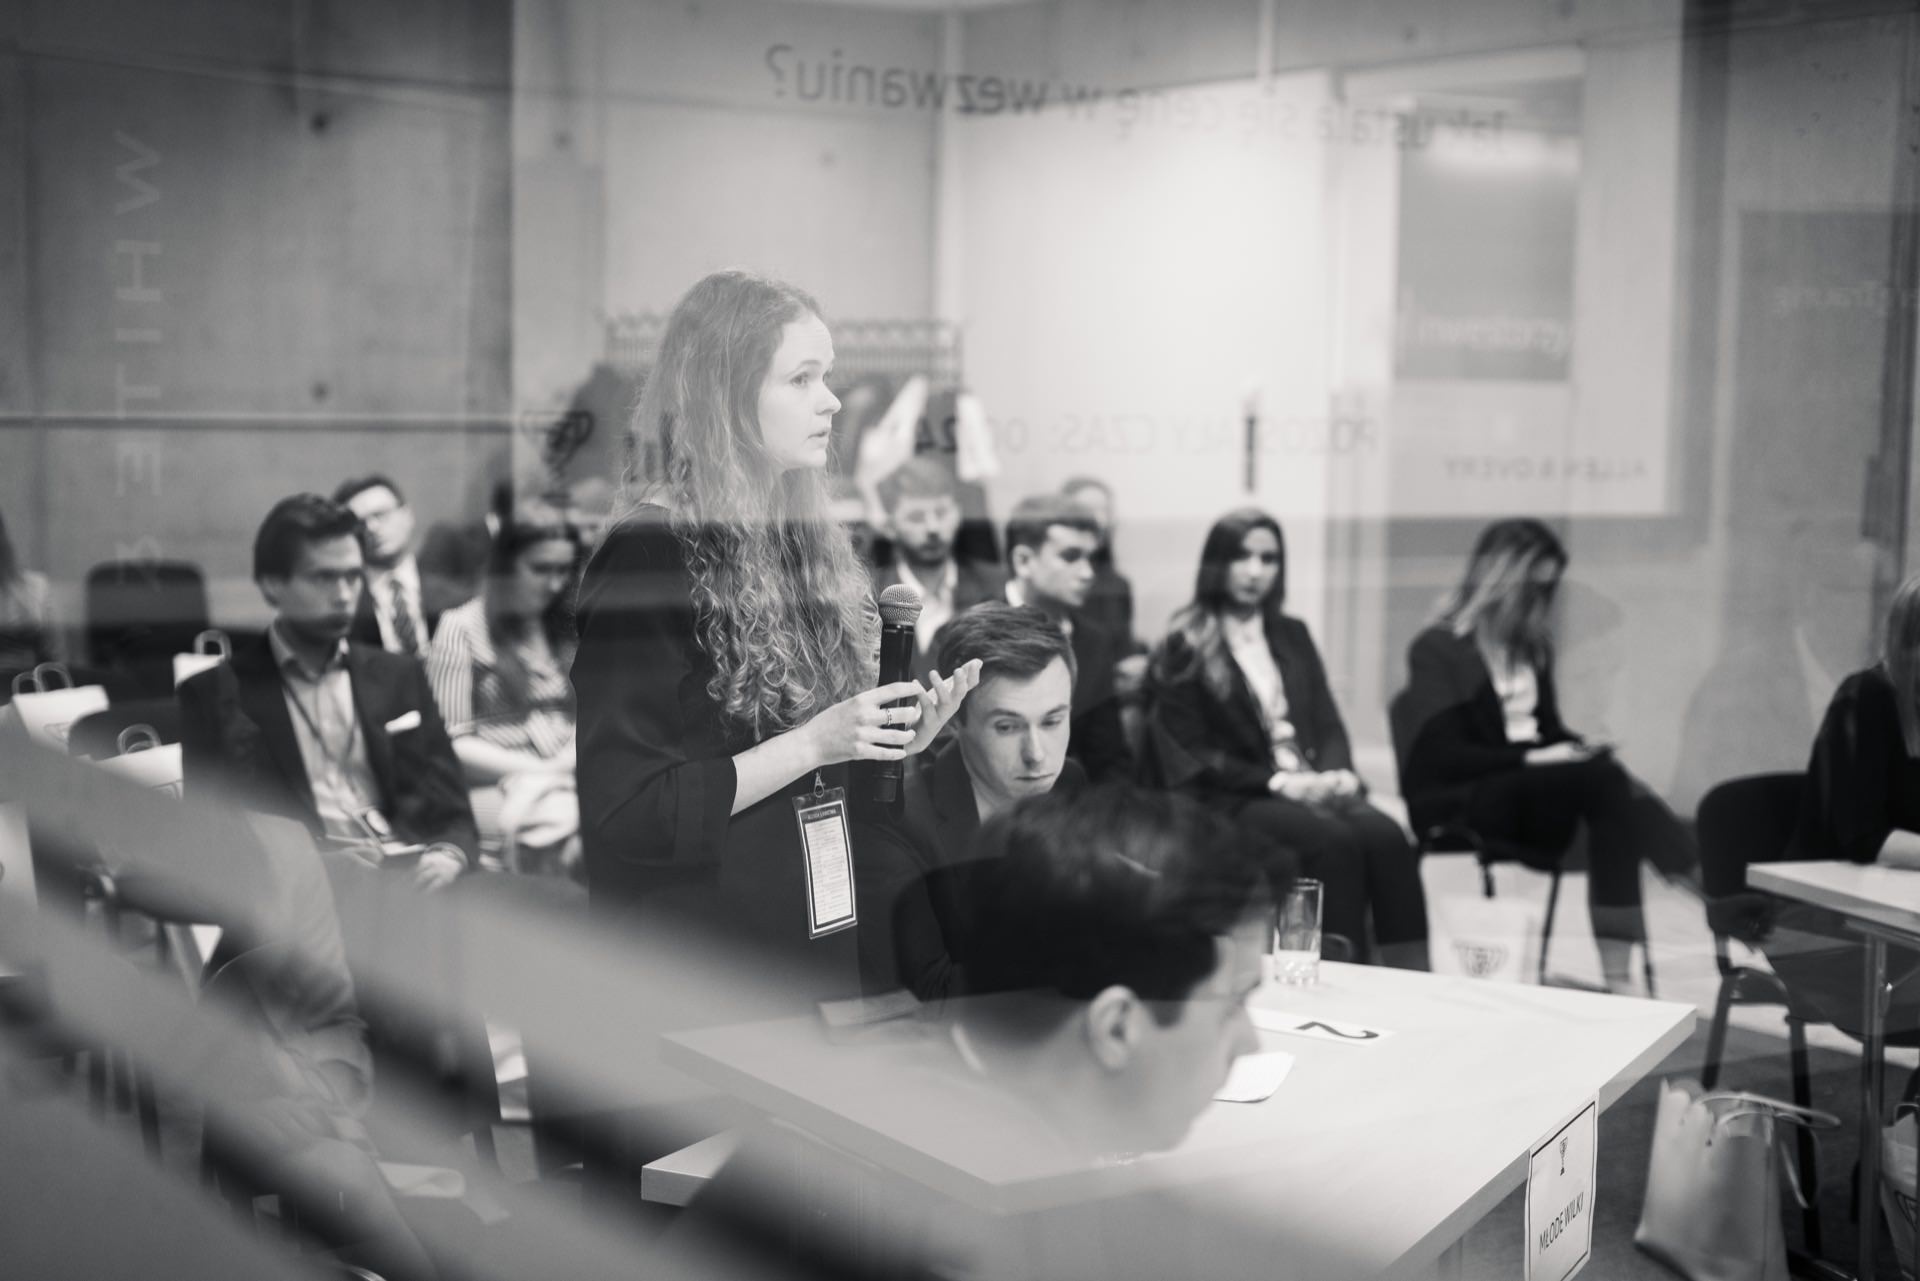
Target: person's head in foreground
{"points": [[1012, 730], [1121, 934]]}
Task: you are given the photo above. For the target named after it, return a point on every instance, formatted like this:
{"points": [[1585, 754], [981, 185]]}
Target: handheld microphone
{"points": [[899, 611]]}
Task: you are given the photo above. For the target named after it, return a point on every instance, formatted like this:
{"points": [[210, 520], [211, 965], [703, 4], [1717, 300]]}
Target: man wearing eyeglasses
{"points": [[400, 608]]}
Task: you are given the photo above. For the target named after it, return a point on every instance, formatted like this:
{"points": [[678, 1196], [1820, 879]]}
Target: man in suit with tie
{"points": [[923, 515], [307, 724], [1051, 542], [1007, 741], [401, 606]]}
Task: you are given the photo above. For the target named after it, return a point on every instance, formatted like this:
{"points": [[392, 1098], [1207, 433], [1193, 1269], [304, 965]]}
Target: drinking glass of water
{"points": [[1296, 935]]}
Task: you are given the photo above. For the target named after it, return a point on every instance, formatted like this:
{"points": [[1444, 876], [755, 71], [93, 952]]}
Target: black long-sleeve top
{"points": [[656, 771], [1861, 784]]}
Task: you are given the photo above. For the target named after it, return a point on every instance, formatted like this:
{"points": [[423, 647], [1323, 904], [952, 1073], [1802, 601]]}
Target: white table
{"points": [[1371, 1160], [1883, 904]]}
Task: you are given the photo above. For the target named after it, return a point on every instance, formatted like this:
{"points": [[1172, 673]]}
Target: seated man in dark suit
{"points": [[1007, 741], [923, 515], [304, 723], [1051, 543]]}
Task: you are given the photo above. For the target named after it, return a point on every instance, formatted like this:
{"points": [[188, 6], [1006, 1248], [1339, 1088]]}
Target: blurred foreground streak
{"points": [[273, 1147]]}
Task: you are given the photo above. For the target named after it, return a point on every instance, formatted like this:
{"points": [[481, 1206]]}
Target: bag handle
{"points": [[25, 683], [221, 645], [137, 738], [60, 669], [1811, 1118]]}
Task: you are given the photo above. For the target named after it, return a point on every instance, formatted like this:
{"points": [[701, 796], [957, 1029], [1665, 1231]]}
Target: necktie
{"points": [[403, 619]]}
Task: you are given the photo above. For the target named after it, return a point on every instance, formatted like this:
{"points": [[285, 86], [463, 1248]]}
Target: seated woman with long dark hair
{"points": [[498, 668], [1488, 748], [1242, 718]]}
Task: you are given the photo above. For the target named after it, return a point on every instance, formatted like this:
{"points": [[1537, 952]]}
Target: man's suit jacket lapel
{"points": [[957, 812], [370, 705], [263, 698]]}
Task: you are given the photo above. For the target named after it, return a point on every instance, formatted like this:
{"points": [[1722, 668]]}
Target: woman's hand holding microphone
{"points": [[864, 728]]}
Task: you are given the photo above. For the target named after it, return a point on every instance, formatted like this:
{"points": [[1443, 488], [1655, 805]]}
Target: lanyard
{"points": [[336, 764]]}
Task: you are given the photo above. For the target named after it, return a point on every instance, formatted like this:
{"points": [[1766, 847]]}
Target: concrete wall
{"points": [[656, 142], [266, 247]]}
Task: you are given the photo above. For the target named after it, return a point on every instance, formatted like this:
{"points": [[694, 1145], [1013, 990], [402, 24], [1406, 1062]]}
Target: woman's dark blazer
{"points": [[1450, 729], [1219, 748]]}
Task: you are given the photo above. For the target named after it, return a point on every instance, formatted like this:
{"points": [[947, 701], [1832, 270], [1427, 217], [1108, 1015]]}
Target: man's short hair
{"points": [[1017, 641], [1079, 483], [296, 522], [920, 477], [1030, 521], [1084, 889], [348, 490]]}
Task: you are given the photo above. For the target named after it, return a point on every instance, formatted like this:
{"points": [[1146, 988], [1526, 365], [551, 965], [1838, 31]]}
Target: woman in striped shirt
{"points": [[498, 668]]}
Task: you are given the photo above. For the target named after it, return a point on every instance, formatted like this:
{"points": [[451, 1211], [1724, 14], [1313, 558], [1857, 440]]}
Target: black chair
{"points": [[1816, 972], [1451, 836], [140, 613], [1739, 823]]}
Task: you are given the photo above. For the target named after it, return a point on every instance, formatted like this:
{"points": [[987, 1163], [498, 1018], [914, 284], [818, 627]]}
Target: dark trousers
{"points": [[1540, 808], [1360, 857]]}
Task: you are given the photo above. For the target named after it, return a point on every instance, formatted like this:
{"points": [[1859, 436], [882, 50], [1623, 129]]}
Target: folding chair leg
{"points": [[1717, 1034], [1809, 1166], [1546, 927]]}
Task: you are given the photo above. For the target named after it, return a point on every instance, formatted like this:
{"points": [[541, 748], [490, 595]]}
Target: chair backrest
{"points": [[1744, 821], [140, 613]]}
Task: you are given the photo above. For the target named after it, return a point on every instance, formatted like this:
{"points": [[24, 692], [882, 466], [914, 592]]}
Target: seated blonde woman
{"points": [[498, 668]]}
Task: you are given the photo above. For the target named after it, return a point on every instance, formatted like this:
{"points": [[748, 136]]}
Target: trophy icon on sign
{"points": [[1563, 1155]]}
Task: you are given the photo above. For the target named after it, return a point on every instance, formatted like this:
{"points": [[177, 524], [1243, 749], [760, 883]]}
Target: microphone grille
{"points": [[900, 606]]}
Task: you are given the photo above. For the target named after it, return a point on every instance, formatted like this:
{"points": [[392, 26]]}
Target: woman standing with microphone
{"points": [[727, 655]]}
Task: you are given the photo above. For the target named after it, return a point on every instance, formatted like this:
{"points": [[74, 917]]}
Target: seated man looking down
{"points": [[1107, 1007], [1007, 741], [308, 725]]}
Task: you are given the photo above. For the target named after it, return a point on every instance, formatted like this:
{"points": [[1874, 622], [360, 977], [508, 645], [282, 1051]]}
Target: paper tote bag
{"points": [[146, 761], [1485, 938], [210, 649], [46, 711], [1712, 1211]]}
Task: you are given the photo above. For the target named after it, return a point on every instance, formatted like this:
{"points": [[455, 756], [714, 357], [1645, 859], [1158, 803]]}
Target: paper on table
{"points": [[1255, 1077]]}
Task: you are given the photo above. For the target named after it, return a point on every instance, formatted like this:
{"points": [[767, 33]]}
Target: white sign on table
{"points": [[1560, 1181]]}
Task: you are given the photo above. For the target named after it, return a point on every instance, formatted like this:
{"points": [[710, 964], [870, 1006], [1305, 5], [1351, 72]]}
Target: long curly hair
{"points": [[1198, 621], [781, 604], [1502, 598]]}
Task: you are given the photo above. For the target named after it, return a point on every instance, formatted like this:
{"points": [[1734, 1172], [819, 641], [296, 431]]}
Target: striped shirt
{"points": [[463, 668]]}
